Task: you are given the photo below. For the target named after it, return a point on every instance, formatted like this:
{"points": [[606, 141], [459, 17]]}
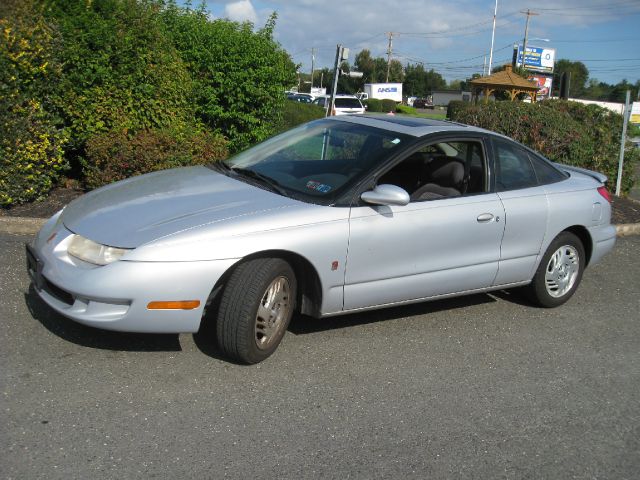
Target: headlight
{"points": [[92, 252]]}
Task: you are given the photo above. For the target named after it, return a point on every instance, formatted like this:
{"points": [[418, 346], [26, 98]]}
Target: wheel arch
{"points": [[309, 296], [585, 237]]}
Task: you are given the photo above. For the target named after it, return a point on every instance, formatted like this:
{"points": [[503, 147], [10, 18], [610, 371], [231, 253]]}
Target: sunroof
{"points": [[411, 122]]}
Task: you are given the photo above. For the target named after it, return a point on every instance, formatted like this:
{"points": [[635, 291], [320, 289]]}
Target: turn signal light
{"points": [[174, 305], [605, 193]]}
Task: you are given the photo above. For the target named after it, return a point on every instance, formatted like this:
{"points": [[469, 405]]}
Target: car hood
{"points": [[141, 209]]}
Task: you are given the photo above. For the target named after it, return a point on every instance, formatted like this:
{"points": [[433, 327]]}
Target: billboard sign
{"points": [[635, 113], [538, 59], [544, 84]]}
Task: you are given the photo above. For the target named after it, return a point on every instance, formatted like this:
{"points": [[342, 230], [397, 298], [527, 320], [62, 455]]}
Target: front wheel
{"points": [[255, 309], [559, 272]]}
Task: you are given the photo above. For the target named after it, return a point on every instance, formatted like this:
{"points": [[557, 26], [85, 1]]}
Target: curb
{"points": [[627, 229], [29, 226], [21, 225]]}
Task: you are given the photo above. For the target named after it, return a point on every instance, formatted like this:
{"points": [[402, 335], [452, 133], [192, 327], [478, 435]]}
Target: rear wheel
{"points": [[559, 272], [255, 309]]}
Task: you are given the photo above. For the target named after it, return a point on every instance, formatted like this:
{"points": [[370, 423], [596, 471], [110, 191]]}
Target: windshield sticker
{"points": [[395, 141], [318, 187]]}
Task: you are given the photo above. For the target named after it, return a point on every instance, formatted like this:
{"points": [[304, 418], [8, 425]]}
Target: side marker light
{"points": [[174, 305]]}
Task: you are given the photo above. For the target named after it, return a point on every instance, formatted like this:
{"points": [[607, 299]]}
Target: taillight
{"points": [[605, 193]]}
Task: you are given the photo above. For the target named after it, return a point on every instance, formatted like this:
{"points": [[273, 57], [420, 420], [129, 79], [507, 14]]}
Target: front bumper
{"points": [[115, 296]]}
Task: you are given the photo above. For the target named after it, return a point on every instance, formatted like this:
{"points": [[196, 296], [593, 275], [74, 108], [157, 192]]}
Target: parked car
{"points": [[338, 215], [422, 103], [343, 104], [302, 98]]}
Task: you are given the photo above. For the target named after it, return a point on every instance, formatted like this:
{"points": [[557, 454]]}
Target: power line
{"points": [[602, 6]]}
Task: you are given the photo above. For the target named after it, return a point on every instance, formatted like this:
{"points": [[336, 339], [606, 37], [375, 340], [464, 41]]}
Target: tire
{"points": [[559, 272], [255, 309]]}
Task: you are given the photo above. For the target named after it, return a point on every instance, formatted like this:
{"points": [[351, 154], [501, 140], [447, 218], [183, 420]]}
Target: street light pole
{"points": [[493, 35], [313, 60], [623, 140]]}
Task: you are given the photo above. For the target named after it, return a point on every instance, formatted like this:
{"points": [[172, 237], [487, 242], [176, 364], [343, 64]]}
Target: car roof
{"points": [[414, 126]]}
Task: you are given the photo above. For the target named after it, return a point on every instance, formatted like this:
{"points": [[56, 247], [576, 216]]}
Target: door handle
{"points": [[485, 217]]}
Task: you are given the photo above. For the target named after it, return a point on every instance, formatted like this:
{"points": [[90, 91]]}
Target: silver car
{"points": [[339, 215]]}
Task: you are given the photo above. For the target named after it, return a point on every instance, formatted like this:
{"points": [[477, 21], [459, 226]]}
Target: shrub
{"points": [[120, 70], [239, 74], [296, 113], [586, 136], [374, 105], [115, 155], [405, 109], [388, 105], [454, 107], [31, 155]]}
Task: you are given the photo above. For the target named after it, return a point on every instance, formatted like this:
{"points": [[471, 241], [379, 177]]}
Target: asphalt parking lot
{"points": [[479, 387]]}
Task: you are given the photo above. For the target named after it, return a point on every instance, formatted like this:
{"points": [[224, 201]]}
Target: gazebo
{"points": [[506, 81]]}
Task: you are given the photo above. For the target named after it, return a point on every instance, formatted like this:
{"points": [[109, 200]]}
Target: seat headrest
{"points": [[446, 171]]}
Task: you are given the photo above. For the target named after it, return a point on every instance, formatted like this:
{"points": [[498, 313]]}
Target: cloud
{"points": [[241, 11]]}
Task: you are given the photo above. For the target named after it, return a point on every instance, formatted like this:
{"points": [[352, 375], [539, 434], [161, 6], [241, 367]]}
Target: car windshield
{"points": [[317, 161], [348, 103]]}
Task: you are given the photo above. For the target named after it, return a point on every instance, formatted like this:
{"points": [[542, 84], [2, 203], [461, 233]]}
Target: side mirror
{"points": [[386, 195]]}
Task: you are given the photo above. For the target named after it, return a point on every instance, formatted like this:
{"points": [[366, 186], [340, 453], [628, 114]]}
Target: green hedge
{"points": [[388, 106], [454, 107], [405, 109], [586, 136], [373, 105], [296, 113], [31, 154], [115, 156]]}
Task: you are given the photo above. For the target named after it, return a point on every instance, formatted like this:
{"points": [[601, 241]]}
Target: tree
{"points": [[365, 64], [579, 76], [419, 82], [455, 85]]}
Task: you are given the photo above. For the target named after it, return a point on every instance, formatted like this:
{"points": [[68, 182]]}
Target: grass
{"points": [[435, 115]]}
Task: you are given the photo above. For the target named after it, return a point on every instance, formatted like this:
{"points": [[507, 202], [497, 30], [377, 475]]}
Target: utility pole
{"points": [[313, 61], [341, 55], [528, 13], [389, 50], [493, 36], [484, 66]]}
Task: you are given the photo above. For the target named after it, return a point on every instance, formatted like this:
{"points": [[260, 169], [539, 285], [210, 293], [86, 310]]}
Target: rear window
{"points": [[348, 103]]}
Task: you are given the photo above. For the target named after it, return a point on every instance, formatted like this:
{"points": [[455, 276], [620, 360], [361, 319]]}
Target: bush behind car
{"points": [[115, 155], [586, 136]]}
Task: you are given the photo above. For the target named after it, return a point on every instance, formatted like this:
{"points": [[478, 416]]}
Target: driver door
{"points": [[427, 248]]}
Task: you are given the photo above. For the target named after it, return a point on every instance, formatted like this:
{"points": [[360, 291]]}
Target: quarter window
{"points": [[513, 167], [546, 172]]}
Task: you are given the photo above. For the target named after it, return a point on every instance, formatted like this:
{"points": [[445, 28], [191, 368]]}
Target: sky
{"points": [[452, 37]]}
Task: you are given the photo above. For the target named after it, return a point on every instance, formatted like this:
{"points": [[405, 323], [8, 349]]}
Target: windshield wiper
{"points": [[219, 167], [270, 182]]}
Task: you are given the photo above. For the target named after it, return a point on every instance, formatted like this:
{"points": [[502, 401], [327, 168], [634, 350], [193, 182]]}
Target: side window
{"points": [[513, 167], [440, 170], [546, 172]]}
